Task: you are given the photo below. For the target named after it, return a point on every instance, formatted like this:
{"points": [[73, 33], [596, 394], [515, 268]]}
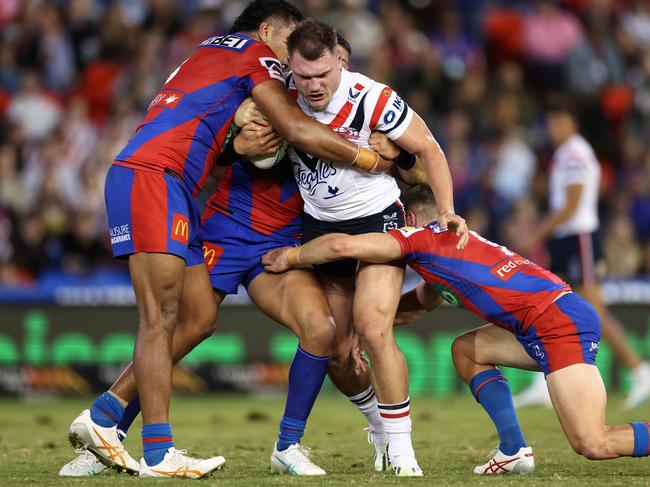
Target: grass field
{"points": [[450, 437]]}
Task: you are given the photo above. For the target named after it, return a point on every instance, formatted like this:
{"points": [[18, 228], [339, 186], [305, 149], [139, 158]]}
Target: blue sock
{"points": [[156, 440], [106, 411], [131, 411], [306, 376], [491, 390], [641, 439]]}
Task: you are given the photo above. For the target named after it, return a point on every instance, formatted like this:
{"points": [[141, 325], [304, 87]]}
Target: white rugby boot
{"points": [[294, 460], [535, 395], [84, 465], [640, 390], [102, 442], [405, 466], [380, 442], [521, 462], [176, 464]]}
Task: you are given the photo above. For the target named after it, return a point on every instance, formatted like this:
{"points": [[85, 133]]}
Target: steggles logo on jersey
{"points": [[310, 180]]}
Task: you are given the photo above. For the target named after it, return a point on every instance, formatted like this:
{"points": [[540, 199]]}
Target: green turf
{"points": [[450, 437]]}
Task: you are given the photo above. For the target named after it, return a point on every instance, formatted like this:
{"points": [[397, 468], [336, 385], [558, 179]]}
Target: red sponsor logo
{"points": [[505, 270], [211, 254], [166, 99], [180, 229]]}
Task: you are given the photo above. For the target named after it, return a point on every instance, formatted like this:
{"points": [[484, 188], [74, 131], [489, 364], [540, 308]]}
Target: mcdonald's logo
{"points": [[211, 254], [180, 228]]}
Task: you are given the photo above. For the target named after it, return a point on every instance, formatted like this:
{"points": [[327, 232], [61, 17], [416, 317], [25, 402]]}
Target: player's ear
{"points": [[411, 218], [264, 31]]}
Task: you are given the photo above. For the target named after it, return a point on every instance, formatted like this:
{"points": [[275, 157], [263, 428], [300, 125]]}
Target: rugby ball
{"points": [[267, 162]]}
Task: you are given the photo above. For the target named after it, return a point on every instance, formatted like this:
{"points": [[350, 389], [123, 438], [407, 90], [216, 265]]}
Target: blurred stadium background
{"points": [[77, 75]]}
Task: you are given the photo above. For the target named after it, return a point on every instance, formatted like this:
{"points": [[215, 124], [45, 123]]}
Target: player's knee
{"points": [[458, 348], [316, 332], [460, 351], [592, 447], [340, 361], [205, 327], [207, 321], [162, 316], [375, 338]]}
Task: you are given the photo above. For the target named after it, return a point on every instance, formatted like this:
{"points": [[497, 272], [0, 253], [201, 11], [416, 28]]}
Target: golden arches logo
{"points": [[209, 255], [180, 228]]}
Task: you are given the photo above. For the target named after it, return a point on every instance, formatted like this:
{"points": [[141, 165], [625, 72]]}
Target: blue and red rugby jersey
{"points": [[189, 118], [485, 278], [265, 200]]}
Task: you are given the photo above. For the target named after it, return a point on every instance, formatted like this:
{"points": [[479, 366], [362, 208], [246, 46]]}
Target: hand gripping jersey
{"points": [[189, 118], [264, 200], [334, 192], [485, 278]]}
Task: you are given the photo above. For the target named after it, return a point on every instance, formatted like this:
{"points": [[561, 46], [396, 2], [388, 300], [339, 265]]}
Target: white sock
{"points": [[397, 426], [640, 370], [366, 402]]}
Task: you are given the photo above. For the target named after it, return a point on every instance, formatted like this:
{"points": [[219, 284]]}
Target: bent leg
{"points": [[583, 421], [484, 347], [475, 355]]}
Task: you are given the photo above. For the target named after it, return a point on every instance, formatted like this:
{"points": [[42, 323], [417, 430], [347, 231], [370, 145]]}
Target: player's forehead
{"points": [[307, 68]]}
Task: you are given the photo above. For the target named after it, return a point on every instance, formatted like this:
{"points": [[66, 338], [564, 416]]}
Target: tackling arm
{"points": [[370, 247], [416, 303], [308, 135]]}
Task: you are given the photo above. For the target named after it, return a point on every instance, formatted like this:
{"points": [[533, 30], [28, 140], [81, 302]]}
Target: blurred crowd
{"points": [[76, 77]]}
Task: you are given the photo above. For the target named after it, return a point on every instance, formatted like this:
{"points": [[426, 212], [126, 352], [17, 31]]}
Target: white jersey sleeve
{"points": [[388, 112], [572, 170]]}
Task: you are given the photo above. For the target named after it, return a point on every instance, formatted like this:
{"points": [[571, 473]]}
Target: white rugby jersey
{"points": [[336, 192], [574, 162]]}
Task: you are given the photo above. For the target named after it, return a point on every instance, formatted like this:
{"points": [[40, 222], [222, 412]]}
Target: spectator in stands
{"points": [[76, 76]]}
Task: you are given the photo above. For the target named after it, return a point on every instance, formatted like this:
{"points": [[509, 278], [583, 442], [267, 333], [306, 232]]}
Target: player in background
{"points": [[253, 211], [340, 200], [537, 323], [572, 230], [154, 220]]}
